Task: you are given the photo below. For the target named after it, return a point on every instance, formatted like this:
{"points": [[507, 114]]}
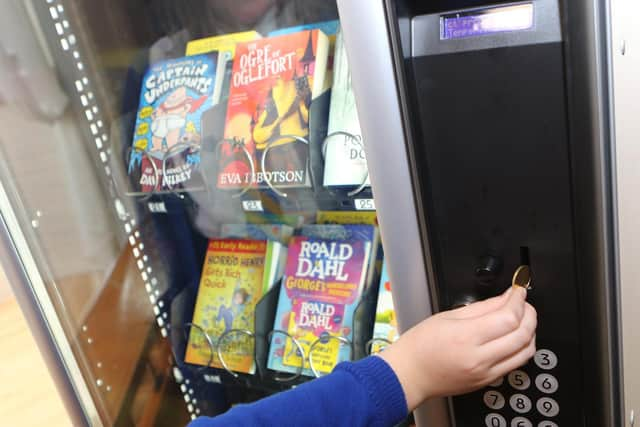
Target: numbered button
{"points": [[545, 359], [547, 407], [497, 383], [520, 403], [547, 383], [494, 399], [547, 424], [521, 422], [519, 380], [495, 420]]}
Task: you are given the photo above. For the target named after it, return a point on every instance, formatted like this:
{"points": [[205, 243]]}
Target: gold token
{"points": [[522, 277]]}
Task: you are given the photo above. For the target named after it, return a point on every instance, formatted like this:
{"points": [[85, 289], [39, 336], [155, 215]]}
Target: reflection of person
{"points": [[228, 314], [450, 353]]}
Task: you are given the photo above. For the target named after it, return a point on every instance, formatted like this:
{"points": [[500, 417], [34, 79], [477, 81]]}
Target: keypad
{"points": [[495, 420], [524, 398], [521, 422]]}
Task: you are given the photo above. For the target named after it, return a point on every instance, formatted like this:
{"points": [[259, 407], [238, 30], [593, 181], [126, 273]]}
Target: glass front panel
{"points": [[191, 179]]}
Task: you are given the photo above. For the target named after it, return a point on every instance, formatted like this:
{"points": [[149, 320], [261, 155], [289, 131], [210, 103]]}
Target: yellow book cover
{"points": [[231, 285], [347, 217], [226, 42]]}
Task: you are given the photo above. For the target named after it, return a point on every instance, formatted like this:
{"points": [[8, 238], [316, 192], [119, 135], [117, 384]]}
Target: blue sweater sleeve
{"points": [[363, 393]]}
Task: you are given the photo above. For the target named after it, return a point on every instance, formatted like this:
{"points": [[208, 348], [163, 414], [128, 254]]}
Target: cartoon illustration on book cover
{"points": [[165, 153], [385, 329], [273, 83], [231, 285], [320, 290]]}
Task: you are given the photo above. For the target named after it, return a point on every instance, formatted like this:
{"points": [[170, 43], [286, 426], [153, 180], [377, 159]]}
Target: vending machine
{"points": [[173, 174]]}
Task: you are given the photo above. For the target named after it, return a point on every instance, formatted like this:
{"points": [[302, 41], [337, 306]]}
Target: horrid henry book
{"points": [[235, 275], [165, 151], [273, 83], [321, 288]]}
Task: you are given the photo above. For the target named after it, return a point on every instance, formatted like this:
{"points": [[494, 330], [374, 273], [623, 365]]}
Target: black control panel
{"points": [[493, 154]]}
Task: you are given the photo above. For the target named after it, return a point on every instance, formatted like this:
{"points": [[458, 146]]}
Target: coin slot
{"points": [[524, 256]]}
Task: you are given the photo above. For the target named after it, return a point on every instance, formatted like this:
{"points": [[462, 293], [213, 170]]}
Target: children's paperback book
{"points": [[347, 217], [385, 329], [368, 233], [235, 276], [345, 162], [278, 232], [225, 45], [273, 83], [321, 288], [165, 151]]}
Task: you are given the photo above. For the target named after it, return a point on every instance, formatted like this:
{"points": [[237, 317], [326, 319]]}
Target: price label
{"points": [[157, 207], [252, 205], [365, 204]]}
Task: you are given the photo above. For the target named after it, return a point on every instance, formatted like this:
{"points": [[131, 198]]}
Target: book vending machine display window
{"points": [[188, 219], [186, 195]]}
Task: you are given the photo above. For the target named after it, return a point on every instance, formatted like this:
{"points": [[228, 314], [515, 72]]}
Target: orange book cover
{"points": [[273, 83]]}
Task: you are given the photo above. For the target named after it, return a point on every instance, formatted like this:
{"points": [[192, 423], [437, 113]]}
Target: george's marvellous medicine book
{"points": [[321, 287], [273, 82], [236, 274], [165, 149]]}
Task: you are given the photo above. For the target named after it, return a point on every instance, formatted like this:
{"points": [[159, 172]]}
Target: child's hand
{"points": [[458, 351]]}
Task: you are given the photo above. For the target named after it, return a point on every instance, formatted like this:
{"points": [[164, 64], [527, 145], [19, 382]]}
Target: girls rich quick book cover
{"points": [[320, 290], [273, 82], [165, 151], [236, 274]]}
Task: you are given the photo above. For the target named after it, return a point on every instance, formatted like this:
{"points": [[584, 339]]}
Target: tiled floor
{"points": [[27, 394]]}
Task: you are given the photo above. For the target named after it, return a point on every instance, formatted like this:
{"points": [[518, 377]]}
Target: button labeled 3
{"points": [[547, 383], [495, 420], [494, 399], [545, 359], [519, 380]]}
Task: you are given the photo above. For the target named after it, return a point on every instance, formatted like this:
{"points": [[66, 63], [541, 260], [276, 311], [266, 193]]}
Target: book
{"points": [[278, 232], [345, 161], [225, 45], [385, 328], [165, 151], [273, 83], [347, 217], [236, 274], [364, 232], [321, 287]]}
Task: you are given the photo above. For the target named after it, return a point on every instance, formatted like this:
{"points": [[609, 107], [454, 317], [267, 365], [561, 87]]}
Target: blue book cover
{"points": [[165, 150], [330, 28]]}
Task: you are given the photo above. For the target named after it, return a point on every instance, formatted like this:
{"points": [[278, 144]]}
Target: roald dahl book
{"points": [[236, 274], [272, 85], [165, 151], [320, 290]]}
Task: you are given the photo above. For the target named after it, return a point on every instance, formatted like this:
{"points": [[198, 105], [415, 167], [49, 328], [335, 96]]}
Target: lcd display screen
{"points": [[486, 21]]}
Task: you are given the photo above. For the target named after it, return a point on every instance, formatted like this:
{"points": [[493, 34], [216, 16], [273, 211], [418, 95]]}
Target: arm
{"points": [[364, 393]]}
